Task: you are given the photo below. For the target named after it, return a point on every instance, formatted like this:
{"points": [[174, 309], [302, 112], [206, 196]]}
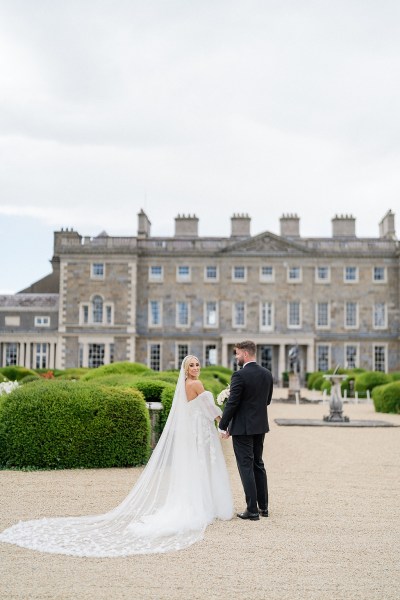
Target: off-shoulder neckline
{"points": [[198, 396]]}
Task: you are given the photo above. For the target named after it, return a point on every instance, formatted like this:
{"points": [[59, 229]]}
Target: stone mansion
{"points": [[156, 299]]}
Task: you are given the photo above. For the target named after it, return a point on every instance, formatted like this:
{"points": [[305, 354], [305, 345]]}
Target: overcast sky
{"points": [[210, 108]]}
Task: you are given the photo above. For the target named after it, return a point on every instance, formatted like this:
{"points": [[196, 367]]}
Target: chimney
{"points": [[186, 226], [240, 225], [290, 226], [386, 226], [143, 225], [343, 226]]}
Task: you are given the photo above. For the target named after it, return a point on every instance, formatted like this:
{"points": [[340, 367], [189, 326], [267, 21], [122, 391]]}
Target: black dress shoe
{"points": [[264, 512], [248, 515]]}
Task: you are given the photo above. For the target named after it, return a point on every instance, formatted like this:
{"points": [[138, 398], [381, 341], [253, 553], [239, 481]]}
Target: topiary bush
{"points": [[30, 378], [313, 378], [386, 398], [167, 396], [318, 382], [326, 385], [69, 424], [168, 376], [73, 373], [369, 380], [16, 373], [120, 368]]}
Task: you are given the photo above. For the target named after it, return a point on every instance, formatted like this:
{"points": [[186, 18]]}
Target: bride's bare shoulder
{"points": [[193, 389]]}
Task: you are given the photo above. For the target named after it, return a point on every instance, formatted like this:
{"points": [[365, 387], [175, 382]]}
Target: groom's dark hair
{"points": [[247, 345]]}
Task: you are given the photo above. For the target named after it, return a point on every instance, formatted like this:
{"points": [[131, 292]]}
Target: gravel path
{"points": [[334, 530]]}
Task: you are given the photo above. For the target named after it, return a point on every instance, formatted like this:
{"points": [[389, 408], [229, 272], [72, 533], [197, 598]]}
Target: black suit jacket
{"points": [[245, 411]]}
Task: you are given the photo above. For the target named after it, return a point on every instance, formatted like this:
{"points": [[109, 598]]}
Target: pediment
{"points": [[267, 243]]}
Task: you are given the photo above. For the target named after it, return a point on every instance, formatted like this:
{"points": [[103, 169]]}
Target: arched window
{"points": [[97, 306]]}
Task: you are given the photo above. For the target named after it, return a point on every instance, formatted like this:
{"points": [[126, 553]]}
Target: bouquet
{"points": [[222, 396]]}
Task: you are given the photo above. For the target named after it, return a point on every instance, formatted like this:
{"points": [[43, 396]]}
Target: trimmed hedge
{"points": [[387, 397], [73, 373], [369, 380], [118, 368], [152, 390], [16, 373], [65, 424], [167, 396], [30, 378]]}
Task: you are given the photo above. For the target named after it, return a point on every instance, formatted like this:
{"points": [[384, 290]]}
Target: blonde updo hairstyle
{"points": [[186, 362]]}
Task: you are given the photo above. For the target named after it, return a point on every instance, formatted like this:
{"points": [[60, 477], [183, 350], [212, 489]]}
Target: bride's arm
{"points": [[211, 410]]}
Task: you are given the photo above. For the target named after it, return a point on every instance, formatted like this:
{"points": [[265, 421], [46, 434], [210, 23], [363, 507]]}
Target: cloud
{"points": [[208, 108]]}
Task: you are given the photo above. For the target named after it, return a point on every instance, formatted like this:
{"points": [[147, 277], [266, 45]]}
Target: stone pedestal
{"points": [[336, 402], [294, 386]]}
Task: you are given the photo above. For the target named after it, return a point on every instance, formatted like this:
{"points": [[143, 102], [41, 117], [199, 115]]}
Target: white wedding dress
{"points": [[182, 489]]}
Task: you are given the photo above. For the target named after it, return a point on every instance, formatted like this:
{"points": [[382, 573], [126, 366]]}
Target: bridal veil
{"points": [[183, 487]]}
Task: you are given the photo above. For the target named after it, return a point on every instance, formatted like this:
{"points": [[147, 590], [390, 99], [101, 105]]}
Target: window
{"points": [[183, 273], [210, 352], [85, 314], [112, 353], [97, 309], [155, 357], [351, 315], [42, 321], [239, 274], [379, 274], [379, 316], [211, 273], [351, 356], [239, 314], [350, 274], [96, 355], [40, 356], [11, 354], [322, 274], [97, 271], [322, 357], [211, 314], [182, 314], [266, 316], [380, 358], [267, 274], [11, 321], [294, 274], [294, 316], [182, 351], [155, 313], [322, 315], [155, 273], [97, 312], [265, 353]]}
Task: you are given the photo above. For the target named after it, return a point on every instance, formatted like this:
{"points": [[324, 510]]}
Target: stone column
{"points": [[310, 358], [28, 355], [51, 361], [224, 354], [281, 362]]}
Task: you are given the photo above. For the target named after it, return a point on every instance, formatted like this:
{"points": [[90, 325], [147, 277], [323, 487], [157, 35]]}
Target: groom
{"points": [[245, 418]]}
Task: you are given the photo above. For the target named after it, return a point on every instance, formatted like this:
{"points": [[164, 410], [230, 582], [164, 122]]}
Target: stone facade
{"points": [[153, 300]]}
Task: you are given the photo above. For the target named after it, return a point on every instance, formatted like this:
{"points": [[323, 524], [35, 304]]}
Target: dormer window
{"points": [[42, 321]]}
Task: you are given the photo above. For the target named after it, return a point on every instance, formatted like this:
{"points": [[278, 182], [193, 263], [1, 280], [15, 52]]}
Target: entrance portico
{"points": [[272, 352]]}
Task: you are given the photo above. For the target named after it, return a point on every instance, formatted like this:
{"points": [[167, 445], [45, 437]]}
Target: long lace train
{"points": [[182, 489]]}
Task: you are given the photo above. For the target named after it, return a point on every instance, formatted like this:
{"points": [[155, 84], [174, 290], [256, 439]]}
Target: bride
{"points": [[182, 489]]}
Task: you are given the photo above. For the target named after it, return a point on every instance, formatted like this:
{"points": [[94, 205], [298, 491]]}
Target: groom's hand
{"points": [[224, 434]]}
